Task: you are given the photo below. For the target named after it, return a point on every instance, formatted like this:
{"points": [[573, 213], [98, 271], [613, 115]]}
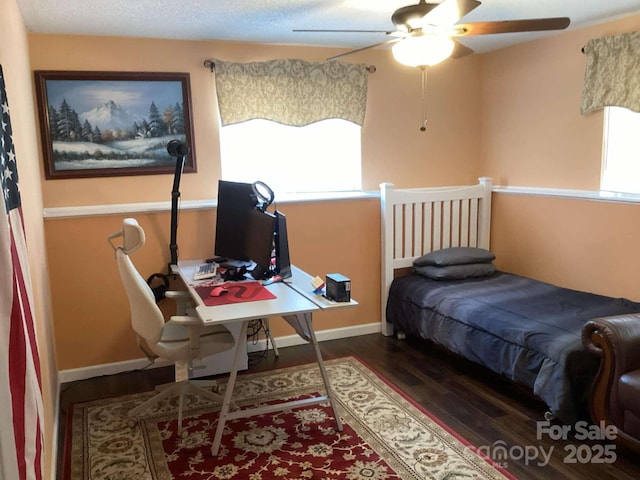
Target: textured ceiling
{"points": [[272, 21]]}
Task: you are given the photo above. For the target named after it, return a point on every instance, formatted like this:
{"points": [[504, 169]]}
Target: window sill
{"points": [[597, 195]]}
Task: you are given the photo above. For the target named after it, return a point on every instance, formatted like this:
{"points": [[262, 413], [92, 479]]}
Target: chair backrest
{"points": [[147, 319], [132, 236]]}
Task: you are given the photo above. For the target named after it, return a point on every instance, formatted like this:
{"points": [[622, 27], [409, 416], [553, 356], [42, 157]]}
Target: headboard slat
{"points": [[464, 224], [427, 244], [398, 215], [473, 224], [417, 229], [437, 225], [446, 224], [407, 234]]}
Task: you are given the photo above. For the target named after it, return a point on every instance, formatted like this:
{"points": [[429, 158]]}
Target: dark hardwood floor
{"points": [[483, 408]]}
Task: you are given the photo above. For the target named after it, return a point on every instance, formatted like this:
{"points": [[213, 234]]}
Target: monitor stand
{"points": [[237, 264], [260, 274], [251, 268], [236, 270]]}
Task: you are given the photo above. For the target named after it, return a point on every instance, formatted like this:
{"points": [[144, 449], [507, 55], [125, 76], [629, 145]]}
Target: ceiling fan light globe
{"points": [[423, 50]]}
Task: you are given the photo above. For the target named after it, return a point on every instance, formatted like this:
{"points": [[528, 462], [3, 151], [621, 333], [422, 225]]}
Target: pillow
{"points": [[456, 272], [455, 256]]}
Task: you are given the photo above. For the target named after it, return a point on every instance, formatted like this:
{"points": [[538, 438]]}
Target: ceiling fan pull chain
{"points": [[423, 127]]}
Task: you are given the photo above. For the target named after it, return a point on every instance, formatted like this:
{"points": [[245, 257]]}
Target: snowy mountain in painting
{"points": [[110, 116]]}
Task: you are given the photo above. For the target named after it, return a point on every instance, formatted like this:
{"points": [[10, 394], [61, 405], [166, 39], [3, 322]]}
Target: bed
{"points": [[526, 330]]}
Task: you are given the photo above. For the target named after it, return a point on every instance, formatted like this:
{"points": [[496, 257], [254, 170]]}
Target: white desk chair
{"points": [[180, 340]]}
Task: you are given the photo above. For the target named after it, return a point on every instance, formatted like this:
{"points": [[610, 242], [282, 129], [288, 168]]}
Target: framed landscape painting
{"points": [[97, 124]]}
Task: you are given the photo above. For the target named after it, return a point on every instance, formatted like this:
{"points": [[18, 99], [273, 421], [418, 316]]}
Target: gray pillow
{"points": [[455, 256], [456, 272]]}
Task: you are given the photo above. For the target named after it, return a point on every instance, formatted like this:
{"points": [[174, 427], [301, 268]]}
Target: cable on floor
{"points": [[254, 330]]}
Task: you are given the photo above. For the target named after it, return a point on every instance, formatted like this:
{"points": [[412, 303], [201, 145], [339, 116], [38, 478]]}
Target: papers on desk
{"points": [[236, 292]]}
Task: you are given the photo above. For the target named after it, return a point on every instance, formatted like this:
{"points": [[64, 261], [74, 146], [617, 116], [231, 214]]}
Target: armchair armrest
{"points": [[186, 320], [177, 294], [616, 337], [616, 340], [182, 299]]}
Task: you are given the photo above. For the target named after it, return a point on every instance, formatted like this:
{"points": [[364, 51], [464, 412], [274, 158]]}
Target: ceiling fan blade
{"points": [[449, 12], [351, 52], [460, 50], [388, 32], [511, 26]]}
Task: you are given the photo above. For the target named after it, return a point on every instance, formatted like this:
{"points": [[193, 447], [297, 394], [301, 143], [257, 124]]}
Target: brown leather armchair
{"points": [[615, 396]]}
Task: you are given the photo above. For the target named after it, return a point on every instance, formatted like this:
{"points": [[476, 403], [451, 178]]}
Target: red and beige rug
{"points": [[385, 435]]}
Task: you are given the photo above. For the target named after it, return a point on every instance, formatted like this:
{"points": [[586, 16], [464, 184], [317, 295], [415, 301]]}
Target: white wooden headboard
{"points": [[420, 220]]}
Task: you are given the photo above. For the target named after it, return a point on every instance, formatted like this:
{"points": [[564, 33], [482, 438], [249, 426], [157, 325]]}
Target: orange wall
{"points": [[15, 65], [534, 135], [581, 244]]}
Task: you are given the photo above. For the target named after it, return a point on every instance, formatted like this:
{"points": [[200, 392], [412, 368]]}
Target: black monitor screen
{"points": [[235, 202], [243, 232], [259, 241]]}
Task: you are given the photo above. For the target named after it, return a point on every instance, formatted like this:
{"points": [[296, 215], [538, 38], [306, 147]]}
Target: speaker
{"points": [[338, 287]]}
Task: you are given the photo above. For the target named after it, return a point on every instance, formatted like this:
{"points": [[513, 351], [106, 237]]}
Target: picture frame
{"points": [[104, 124]]}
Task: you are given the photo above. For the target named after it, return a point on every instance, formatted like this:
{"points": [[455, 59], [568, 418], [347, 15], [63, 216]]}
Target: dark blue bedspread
{"points": [[527, 330]]}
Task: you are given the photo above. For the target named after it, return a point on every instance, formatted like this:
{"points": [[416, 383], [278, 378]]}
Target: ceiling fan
{"points": [[424, 33]]}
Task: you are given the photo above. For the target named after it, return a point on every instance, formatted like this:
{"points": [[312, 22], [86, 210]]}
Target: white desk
{"points": [[292, 305]]}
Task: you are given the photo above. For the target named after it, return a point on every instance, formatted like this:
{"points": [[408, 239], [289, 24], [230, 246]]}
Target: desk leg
{"points": [[323, 371], [228, 395]]}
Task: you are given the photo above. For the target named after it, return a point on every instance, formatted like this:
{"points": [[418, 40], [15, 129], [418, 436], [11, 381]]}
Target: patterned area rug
{"points": [[385, 435]]}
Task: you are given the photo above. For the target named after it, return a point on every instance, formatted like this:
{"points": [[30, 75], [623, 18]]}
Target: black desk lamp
{"points": [[178, 149]]}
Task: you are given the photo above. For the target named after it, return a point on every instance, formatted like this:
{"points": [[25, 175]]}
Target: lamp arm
{"points": [[175, 196]]}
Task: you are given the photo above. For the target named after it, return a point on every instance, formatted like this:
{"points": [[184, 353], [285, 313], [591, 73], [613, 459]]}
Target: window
{"points": [[621, 153], [322, 157]]}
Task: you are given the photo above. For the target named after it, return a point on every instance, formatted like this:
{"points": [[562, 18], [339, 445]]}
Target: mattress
{"points": [[526, 330]]}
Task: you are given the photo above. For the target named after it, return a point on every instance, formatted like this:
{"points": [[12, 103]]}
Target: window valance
{"points": [[292, 92], [612, 75]]}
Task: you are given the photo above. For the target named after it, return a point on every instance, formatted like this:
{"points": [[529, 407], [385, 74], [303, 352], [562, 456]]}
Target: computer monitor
{"points": [[246, 233], [281, 240], [258, 243], [235, 203]]}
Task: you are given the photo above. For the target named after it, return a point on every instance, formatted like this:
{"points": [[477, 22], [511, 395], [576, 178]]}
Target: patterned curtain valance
{"points": [[612, 76], [292, 92]]}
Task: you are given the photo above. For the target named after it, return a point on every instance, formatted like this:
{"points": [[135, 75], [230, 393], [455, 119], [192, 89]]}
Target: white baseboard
{"points": [[74, 374], [321, 336]]}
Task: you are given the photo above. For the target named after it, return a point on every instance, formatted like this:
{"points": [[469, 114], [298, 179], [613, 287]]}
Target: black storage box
{"points": [[338, 287]]}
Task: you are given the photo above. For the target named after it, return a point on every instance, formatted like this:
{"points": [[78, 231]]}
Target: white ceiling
{"points": [[272, 21]]}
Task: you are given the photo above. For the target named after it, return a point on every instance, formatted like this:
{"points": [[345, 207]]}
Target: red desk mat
{"points": [[238, 292]]}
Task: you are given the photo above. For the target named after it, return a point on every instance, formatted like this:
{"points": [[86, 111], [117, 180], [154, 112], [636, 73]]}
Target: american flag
{"points": [[21, 431]]}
